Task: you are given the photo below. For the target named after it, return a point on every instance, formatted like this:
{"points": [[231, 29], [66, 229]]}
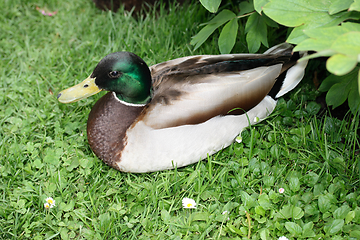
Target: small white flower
{"points": [[46, 205], [238, 139], [256, 119], [188, 203], [50, 201], [226, 213], [283, 238], [281, 190]]}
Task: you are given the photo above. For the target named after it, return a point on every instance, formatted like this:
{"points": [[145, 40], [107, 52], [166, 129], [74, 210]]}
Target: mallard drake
{"points": [[178, 112]]}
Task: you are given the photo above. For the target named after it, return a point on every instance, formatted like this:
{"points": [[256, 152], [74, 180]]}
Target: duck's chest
{"points": [[106, 128]]}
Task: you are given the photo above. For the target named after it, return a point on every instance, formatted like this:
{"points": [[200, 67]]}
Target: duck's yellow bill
{"points": [[80, 91]]}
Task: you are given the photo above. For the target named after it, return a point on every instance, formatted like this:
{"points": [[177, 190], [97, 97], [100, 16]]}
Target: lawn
{"points": [[296, 174]]}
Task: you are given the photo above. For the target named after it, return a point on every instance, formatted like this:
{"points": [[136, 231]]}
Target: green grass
{"points": [[44, 150]]}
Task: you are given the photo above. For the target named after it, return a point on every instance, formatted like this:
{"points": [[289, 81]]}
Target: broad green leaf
{"points": [[52, 187], [307, 197], [293, 228], [351, 198], [247, 200], [302, 14], [260, 219], [211, 5], [53, 157], [329, 82], [354, 97], [74, 164], [321, 39], [228, 36], [324, 203], [290, 211], [340, 64], [256, 30], [311, 177], [337, 95], [243, 161], [341, 212], [264, 234], [334, 226], [357, 215], [270, 22], [203, 35], [230, 206], [307, 230], [274, 196], [293, 13], [355, 234], [297, 213], [104, 220], [339, 92], [313, 108], [38, 164], [64, 234], [349, 217], [297, 35], [86, 162], [246, 7], [165, 216], [258, 5], [264, 201], [311, 209], [223, 17], [339, 5], [308, 226], [294, 184], [67, 207], [260, 210], [348, 44], [318, 189], [355, 6], [269, 180]]}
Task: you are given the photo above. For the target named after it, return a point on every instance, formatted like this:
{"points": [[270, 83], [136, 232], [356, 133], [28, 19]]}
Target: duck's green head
{"points": [[124, 73]]}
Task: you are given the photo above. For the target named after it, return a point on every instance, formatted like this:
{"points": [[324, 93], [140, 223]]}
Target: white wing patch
{"points": [[293, 77]]}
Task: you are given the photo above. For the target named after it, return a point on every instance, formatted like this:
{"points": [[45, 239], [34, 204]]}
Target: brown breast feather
{"points": [[106, 128]]}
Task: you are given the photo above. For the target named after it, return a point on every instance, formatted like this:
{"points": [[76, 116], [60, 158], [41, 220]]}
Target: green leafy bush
{"points": [[325, 28]]}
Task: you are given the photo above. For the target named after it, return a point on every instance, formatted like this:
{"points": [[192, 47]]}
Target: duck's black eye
{"points": [[86, 85], [114, 74]]}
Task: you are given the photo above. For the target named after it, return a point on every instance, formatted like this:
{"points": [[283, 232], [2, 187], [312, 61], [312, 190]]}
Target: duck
{"points": [[181, 111]]}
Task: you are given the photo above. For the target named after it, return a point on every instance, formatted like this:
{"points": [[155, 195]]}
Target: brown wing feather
{"points": [[198, 98], [191, 90]]}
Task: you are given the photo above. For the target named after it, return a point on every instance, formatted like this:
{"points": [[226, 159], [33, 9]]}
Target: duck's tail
{"points": [[292, 72]]}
